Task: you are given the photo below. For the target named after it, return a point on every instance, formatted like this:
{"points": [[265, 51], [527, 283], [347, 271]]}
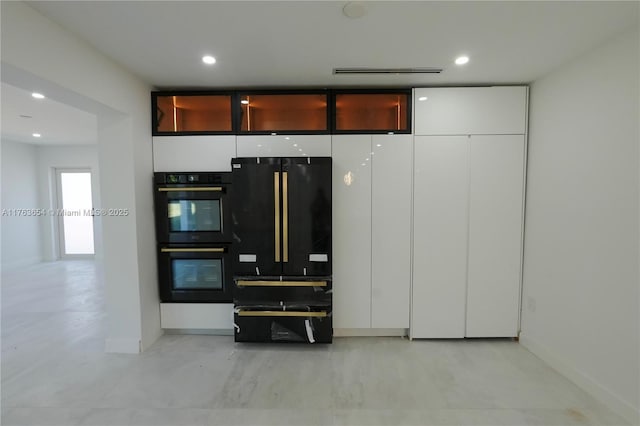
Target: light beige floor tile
{"points": [[55, 372]]}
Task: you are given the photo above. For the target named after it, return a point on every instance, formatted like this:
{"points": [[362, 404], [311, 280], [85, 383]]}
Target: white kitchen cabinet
{"points": [[215, 317], [284, 146], [441, 187], [495, 235], [468, 203], [372, 231], [391, 160], [495, 110], [193, 153], [351, 231]]}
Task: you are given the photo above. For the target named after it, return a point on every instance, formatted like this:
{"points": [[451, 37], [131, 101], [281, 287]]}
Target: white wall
{"points": [[580, 300], [21, 243], [68, 157], [32, 48]]}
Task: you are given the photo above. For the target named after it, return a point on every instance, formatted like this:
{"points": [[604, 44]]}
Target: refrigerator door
{"points": [[306, 216], [256, 216]]}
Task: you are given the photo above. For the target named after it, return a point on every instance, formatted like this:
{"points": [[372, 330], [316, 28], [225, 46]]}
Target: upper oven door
{"points": [[193, 214]]}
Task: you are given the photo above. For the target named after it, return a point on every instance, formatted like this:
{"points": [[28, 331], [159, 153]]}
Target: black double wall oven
{"points": [[193, 232]]}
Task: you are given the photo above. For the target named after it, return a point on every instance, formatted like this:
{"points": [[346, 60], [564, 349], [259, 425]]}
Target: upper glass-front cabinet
{"points": [[192, 113], [282, 112], [263, 112], [373, 112]]}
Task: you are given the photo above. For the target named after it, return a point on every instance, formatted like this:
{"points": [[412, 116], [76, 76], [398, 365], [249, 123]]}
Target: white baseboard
{"points": [[122, 345], [369, 332], [588, 384]]}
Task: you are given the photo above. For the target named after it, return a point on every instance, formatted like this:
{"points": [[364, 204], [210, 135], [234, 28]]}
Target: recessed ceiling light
{"points": [[354, 9], [287, 138], [461, 60], [37, 95], [36, 135], [244, 102], [422, 98], [208, 59]]}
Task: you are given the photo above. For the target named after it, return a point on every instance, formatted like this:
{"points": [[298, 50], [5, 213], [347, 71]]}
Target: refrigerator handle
{"points": [[285, 216], [276, 204]]}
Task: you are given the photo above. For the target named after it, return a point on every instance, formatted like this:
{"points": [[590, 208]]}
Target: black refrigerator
{"points": [[281, 213]]}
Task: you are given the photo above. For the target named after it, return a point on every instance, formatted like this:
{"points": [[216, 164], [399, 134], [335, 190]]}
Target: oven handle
{"points": [[317, 314], [193, 250], [249, 283], [193, 188]]}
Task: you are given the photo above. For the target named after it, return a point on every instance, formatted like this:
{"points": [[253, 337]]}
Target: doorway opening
{"points": [[75, 213]]}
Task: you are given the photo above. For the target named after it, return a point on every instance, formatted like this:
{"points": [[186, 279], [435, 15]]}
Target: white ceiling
{"points": [[298, 43], [58, 124]]}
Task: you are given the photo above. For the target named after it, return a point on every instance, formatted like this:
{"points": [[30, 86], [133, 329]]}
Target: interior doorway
{"points": [[74, 211]]}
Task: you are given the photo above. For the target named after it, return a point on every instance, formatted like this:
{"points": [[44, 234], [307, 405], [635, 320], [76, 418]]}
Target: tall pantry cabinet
{"points": [[372, 231], [469, 168]]}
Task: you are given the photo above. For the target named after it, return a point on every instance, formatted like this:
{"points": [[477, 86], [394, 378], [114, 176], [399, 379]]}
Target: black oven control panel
{"points": [[203, 178]]}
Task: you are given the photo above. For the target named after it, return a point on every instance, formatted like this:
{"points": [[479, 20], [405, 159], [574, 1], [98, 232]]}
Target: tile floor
{"points": [[54, 372]]}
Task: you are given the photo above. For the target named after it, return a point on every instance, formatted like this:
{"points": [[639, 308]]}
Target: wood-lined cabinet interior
{"points": [[371, 231], [359, 112], [284, 112], [241, 112], [192, 113]]}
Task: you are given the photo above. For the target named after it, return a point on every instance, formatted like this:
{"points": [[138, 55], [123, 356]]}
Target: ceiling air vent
{"points": [[387, 70]]}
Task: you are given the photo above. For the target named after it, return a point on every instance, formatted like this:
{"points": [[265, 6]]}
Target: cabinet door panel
{"points": [[351, 231], [441, 185], [284, 146], [495, 235], [193, 153], [391, 230], [470, 110]]}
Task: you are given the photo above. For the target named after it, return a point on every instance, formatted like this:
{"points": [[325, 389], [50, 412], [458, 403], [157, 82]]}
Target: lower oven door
{"points": [[195, 273]]}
